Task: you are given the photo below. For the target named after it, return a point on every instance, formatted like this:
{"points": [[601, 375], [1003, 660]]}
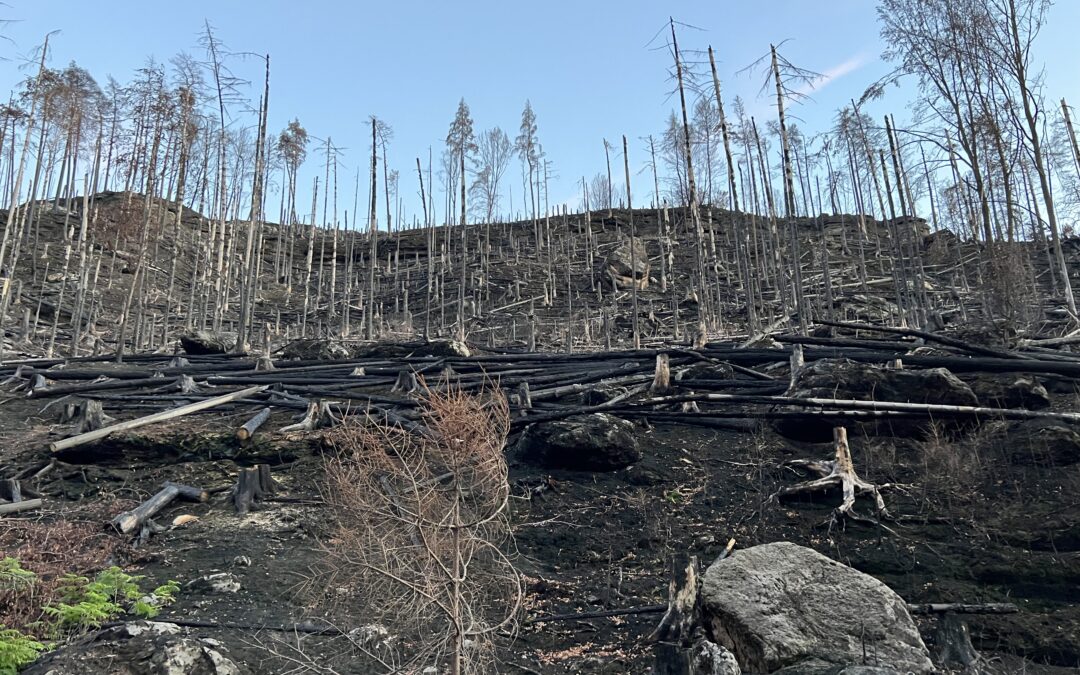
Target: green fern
{"points": [[81, 604], [86, 604], [166, 592], [17, 650], [13, 577]]}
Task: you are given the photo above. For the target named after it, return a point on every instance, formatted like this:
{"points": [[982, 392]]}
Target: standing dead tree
{"points": [[461, 144], [421, 532], [788, 81]]}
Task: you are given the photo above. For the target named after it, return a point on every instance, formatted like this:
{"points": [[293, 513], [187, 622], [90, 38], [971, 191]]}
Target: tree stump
{"points": [[836, 473]]}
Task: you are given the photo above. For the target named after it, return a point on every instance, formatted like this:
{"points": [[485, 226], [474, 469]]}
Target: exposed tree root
{"points": [[838, 472]]}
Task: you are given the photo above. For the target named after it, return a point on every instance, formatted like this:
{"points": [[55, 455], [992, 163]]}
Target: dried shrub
{"points": [[421, 538], [1011, 294], [951, 469]]}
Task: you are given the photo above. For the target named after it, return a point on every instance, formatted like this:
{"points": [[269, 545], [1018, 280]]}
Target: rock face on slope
{"points": [[315, 350], [319, 349], [208, 342], [1008, 390], [783, 607], [391, 350], [137, 648], [1033, 442], [846, 379], [596, 442], [628, 264], [841, 378]]}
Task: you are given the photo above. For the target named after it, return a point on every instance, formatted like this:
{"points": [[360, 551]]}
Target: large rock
{"points": [[208, 342], [315, 350], [596, 442], [137, 648], [330, 350], [628, 264], [940, 248], [1042, 442], [1008, 390], [783, 606], [394, 350], [841, 378], [845, 379]]}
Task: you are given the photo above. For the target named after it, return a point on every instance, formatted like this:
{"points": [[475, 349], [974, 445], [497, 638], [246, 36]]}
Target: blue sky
{"points": [[586, 66]]}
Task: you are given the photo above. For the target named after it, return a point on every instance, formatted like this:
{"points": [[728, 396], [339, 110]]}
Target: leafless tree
{"points": [[493, 153], [420, 538]]}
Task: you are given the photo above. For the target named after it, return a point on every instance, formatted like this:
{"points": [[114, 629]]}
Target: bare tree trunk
{"points": [[247, 287], [633, 247], [369, 304], [789, 195], [695, 215], [11, 235]]}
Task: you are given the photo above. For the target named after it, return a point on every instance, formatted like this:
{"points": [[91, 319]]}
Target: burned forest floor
{"points": [[980, 515]]}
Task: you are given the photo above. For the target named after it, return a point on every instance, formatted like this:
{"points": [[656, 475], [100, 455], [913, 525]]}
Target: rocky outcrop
{"points": [[1042, 442], [628, 264], [596, 442], [394, 350], [208, 342], [315, 350], [785, 608], [331, 350], [137, 648], [841, 378], [1008, 390], [845, 379]]}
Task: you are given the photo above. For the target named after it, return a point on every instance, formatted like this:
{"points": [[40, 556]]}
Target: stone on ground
{"points": [[137, 648], [597, 442], [208, 342], [628, 264], [783, 606]]}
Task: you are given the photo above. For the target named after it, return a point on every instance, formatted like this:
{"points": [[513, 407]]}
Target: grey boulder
{"points": [[137, 648], [784, 607]]}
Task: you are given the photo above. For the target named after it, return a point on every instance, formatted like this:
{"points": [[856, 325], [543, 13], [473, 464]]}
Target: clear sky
{"points": [[587, 66]]}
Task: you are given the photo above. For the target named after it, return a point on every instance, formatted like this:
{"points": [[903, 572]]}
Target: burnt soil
{"points": [[982, 525]]}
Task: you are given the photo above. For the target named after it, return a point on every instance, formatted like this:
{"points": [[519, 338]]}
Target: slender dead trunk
{"points": [[695, 214], [373, 258], [247, 287], [633, 247]]}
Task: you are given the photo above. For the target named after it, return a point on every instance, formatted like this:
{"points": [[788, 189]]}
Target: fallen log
{"points": [[588, 384], [24, 505], [876, 345], [132, 520], [963, 608], [251, 426], [98, 434], [877, 406], [929, 608], [575, 616], [928, 336], [94, 385]]}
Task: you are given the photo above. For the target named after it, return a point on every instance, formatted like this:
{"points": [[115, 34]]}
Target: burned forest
{"points": [[762, 396]]}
